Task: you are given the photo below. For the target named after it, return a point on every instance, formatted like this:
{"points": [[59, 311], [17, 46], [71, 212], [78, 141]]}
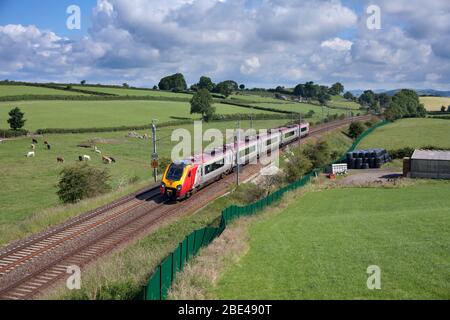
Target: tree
{"points": [[155, 87], [175, 82], [226, 88], [299, 90], [125, 85], [83, 82], [242, 87], [405, 103], [82, 181], [205, 83], [201, 103], [297, 165], [323, 96], [319, 153], [443, 109], [356, 129], [383, 99], [16, 120], [336, 89], [349, 96], [367, 99]]}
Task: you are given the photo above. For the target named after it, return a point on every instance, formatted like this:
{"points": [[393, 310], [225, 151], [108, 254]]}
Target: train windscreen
{"points": [[175, 172]]}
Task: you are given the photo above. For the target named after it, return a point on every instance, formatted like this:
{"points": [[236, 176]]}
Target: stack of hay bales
{"points": [[367, 159]]}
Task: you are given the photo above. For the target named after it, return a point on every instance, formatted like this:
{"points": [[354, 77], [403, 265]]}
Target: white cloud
{"points": [[261, 43], [337, 44]]}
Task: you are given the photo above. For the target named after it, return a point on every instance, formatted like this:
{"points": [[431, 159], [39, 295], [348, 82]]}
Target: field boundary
{"points": [[163, 276]]}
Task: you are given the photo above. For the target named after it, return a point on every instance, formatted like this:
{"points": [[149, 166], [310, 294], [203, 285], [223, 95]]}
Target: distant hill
{"points": [[421, 92]]}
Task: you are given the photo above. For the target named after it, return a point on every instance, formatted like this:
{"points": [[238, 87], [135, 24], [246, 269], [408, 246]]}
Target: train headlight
{"points": [[179, 188], [163, 185]]}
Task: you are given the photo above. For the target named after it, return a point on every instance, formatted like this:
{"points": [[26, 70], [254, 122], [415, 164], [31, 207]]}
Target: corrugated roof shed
{"points": [[431, 155]]}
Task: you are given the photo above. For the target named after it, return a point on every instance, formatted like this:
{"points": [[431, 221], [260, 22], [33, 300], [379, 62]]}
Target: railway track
{"points": [[30, 266]]}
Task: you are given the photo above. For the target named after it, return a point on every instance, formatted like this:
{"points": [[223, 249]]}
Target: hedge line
{"points": [[90, 98], [256, 107], [110, 129], [5, 133], [258, 116]]}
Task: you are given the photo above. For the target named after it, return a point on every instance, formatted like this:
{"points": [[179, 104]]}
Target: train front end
{"points": [[176, 183]]}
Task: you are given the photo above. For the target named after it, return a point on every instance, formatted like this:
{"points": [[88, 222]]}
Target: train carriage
{"points": [[182, 178]]}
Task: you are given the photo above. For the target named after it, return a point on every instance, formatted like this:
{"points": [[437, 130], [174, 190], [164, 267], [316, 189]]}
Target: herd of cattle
{"points": [[105, 159]]}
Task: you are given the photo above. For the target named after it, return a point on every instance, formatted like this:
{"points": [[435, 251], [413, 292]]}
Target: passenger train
{"points": [[183, 178]]}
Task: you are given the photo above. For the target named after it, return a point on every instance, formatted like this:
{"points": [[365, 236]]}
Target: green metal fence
{"points": [[160, 282]]}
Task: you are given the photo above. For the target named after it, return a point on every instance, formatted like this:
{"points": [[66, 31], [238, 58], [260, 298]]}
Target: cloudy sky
{"points": [[260, 43]]}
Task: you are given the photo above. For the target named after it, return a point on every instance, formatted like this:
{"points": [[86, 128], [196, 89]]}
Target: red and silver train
{"points": [[183, 178]]}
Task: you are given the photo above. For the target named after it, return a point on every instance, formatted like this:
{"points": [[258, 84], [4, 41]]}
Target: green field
{"points": [[414, 133], [89, 114], [435, 103], [16, 90], [29, 185], [247, 98], [321, 245], [341, 102], [133, 92]]}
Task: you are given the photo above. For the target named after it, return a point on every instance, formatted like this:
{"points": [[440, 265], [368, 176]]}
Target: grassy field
{"points": [[247, 98], [435, 103], [17, 90], [87, 114], [341, 102], [413, 133], [133, 92], [35, 179], [321, 245]]}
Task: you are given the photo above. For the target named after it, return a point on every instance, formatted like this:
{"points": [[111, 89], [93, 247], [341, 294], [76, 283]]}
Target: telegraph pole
{"points": [[238, 151], [155, 154], [251, 121]]}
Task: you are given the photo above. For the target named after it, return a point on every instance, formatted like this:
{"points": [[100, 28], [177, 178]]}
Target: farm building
{"points": [[430, 164]]}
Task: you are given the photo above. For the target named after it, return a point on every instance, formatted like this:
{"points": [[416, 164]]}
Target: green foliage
{"points": [[297, 166], [163, 163], [16, 120], [202, 103], [405, 103], [383, 99], [242, 87], [349, 96], [174, 82], [356, 129], [226, 88], [336, 89], [401, 153], [319, 153], [206, 83], [367, 99], [82, 181], [12, 133]]}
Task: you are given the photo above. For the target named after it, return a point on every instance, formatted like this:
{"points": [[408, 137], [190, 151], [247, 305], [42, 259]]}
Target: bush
{"points": [[82, 181], [248, 193], [297, 166], [319, 153], [12, 133], [401, 153], [356, 129]]}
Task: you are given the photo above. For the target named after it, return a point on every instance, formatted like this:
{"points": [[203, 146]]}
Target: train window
{"points": [[289, 134], [304, 129], [175, 172], [269, 142], [247, 151], [214, 166]]}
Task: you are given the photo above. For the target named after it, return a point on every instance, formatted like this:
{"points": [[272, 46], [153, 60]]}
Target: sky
{"points": [[260, 43]]}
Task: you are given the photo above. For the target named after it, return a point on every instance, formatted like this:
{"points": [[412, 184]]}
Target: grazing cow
{"points": [[86, 158], [60, 160], [80, 158], [49, 147], [35, 141], [46, 142], [96, 150], [112, 159], [33, 147], [31, 154], [106, 160]]}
